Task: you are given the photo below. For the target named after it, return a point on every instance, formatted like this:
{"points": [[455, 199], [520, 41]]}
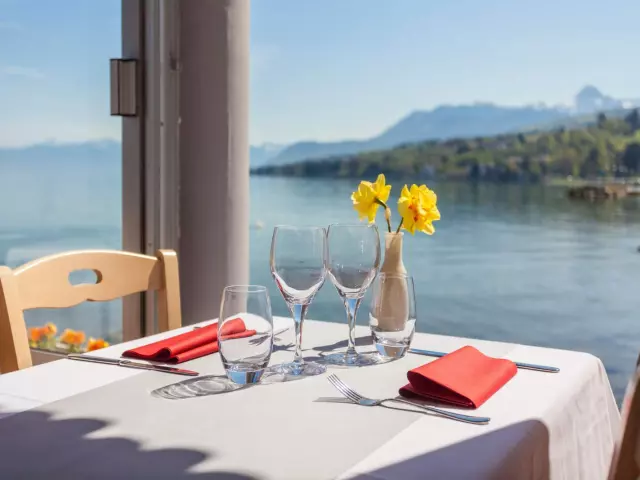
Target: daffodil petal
{"points": [[428, 229]]}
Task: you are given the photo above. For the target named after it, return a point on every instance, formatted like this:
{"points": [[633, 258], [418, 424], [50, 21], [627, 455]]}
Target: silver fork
{"points": [[355, 397], [261, 339]]}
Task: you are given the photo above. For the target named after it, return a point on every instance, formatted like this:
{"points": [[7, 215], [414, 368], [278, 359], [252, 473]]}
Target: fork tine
{"points": [[345, 389], [349, 389], [337, 387], [258, 340], [332, 379], [346, 393]]}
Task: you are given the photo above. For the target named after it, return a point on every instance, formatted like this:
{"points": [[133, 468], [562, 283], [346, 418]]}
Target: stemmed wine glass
{"points": [[298, 268], [353, 259]]}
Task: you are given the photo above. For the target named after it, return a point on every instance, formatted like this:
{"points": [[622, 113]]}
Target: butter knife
{"points": [[131, 364], [525, 366]]}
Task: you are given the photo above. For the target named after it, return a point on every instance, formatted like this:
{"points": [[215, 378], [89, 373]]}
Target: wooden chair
{"points": [[44, 283], [626, 456]]}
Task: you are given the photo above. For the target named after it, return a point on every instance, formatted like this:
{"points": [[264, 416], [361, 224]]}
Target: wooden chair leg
{"points": [[14, 342]]}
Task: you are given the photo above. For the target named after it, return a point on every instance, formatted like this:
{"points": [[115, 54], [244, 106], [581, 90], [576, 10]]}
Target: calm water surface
{"points": [[508, 262]]}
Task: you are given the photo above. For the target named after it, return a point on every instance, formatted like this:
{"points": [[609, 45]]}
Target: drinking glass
{"points": [[245, 349], [297, 266], [392, 316], [353, 259]]}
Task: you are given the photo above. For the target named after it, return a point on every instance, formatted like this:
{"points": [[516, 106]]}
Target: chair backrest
{"points": [[626, 456], [44, 283]]}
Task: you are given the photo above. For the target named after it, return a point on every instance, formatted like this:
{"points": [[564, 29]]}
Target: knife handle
{"points": [[524, 366], [428, 353], [537, 368]]}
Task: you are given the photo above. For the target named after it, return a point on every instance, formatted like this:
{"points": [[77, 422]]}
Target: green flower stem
{"points": [[384, 205], [399, 226]]}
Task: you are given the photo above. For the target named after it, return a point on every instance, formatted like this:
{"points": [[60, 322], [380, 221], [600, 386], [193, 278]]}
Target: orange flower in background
{"points": [[36, 333], [49, 329], [72, 337], [96, 344]]}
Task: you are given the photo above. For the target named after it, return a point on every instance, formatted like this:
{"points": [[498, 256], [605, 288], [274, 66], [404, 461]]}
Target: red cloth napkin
{"points": [[190, 345], [466, 378]]}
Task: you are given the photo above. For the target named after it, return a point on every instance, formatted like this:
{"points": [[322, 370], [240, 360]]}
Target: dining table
{"points": [[69, 419]]}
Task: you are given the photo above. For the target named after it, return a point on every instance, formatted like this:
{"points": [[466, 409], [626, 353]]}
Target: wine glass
{"points": [[353, 259], [298, 268]]}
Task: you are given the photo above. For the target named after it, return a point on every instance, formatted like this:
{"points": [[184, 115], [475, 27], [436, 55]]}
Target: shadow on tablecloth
{"points": [[518, 451], [34, 445], [363, 341]]}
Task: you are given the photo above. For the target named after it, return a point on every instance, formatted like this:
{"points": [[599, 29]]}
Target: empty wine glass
{"points": [[298, 268], [353, 258]]}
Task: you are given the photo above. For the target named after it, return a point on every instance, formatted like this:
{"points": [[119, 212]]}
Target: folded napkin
{"points": [[193, 344], [465, 378]]}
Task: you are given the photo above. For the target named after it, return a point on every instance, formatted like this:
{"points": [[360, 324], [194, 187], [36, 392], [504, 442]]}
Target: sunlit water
{"points": [[508, 262]]}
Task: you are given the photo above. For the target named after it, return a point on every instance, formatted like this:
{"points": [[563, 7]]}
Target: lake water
{"points": [[508, 262]]}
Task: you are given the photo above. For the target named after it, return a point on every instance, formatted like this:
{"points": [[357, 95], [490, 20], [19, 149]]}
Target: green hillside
{"points": [[607, 147]]}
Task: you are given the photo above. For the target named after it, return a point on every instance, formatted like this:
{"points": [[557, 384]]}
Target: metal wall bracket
{"points": [[124, 87]]}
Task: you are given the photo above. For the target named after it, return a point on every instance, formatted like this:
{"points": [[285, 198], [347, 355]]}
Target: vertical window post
{"points": [[214, 152]]}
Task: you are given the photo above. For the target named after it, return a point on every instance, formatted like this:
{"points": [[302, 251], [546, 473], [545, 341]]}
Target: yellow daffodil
{"points": [[418, 208], [72, 337], [369, 196], [96, 344]]}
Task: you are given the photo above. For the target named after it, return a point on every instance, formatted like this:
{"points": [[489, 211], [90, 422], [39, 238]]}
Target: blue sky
{"points": [[329, 69], [54, 70]]}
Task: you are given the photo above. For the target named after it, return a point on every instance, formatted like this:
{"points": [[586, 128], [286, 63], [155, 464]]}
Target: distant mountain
{"points": [[461, 121], [440, 123], [261, 154], [106, 150], [465, 121], [311, 150], [103, 150], [590, 100]]}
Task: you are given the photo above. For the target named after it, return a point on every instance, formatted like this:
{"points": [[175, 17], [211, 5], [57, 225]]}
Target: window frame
{"points": [[133, 21], [140, 233]]}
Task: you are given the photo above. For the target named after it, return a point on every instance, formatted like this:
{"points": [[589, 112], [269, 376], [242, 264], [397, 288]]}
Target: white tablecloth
{"points": [[559, 426]]}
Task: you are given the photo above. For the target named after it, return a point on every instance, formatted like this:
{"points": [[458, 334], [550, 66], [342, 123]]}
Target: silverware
{"points": [[131, 364], [525, 366], [259, 340], [355, 397], [263, 338]]}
